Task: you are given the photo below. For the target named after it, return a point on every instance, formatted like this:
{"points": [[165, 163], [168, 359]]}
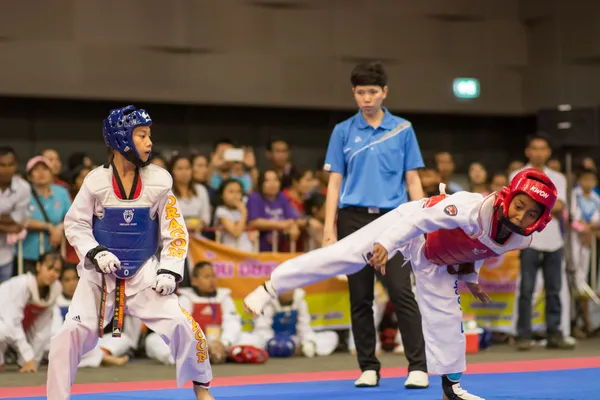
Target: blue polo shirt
{"points": [[373, 162]]}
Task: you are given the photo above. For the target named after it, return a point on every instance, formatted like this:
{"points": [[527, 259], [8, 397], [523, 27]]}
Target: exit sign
{"points": [[466, 88]]}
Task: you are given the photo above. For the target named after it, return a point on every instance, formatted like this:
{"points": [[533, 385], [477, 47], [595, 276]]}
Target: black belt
{"points": [[119, 313], [368, 210]]}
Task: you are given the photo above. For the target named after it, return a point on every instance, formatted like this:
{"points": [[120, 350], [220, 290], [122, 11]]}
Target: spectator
{"points": [[589, 163], [53, 159], [444, 163], [322, 177], [79, 159], [499, 180], [555, 164], [231, 215], [314, 207], [222, 162], [27, 322], [192, 197], [200, 175], [478, 178], [585, 214], [49, 204], [300, 185], [278, 157], [274, 327], [159, 160], [373, 159], [75, 181], [269, 210], [514, 166], [200, 169], [545, 252], [15, 194], [223, 326], [430, 180]]}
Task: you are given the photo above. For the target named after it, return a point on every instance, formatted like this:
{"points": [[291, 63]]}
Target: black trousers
{"points": [[398, 285]]}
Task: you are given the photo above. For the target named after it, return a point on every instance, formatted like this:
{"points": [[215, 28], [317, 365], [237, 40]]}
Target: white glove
{"points": [[106, 262], [309, 349], [164, 284]]}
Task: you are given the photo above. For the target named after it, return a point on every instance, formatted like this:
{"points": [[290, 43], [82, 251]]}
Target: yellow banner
{"points": [[242, 272], [499, 279]]}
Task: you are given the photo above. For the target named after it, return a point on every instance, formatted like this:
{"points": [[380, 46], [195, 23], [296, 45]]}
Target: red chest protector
{"points": [[208, 315], [453, 246], [30, 314]]}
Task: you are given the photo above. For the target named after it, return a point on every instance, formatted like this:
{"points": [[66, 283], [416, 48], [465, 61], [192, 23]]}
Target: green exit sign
{"points": [[466, 88]]}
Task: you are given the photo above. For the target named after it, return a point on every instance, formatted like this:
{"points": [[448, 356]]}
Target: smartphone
{"points": [[235, 155]]}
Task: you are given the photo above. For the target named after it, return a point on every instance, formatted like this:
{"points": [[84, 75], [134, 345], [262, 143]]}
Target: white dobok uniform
{"points": [[294, 320], [25, 318], [133, 230], [458, 229], [116, 346], [216, 315], [93, 358], [585, 209]]}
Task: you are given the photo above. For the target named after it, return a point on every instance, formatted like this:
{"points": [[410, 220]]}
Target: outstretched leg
{"points": [[344, 257]]}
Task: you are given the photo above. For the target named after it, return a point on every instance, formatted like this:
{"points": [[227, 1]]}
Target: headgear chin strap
{"points": [[118, 130], [539, 187]]}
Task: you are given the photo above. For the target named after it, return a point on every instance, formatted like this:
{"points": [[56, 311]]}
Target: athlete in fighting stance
{"points": [[446, 238], [123, 213]]}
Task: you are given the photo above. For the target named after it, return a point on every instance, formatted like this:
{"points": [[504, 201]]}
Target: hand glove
{"points": [[309, 349], [164, 284], [106, 262]]}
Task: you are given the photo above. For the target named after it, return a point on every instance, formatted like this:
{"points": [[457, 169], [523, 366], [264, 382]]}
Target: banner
{"points": [[499, 278], [328, 301]]}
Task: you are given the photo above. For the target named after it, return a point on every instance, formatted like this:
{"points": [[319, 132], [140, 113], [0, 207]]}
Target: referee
{"points": [[373, 159]]}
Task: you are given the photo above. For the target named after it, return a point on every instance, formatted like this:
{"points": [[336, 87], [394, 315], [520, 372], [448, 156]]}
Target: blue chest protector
{"points": [[130, 234], [284, 322], [63, 311]]}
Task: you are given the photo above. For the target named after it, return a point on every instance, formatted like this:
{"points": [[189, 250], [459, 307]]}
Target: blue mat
{"points": [[582, 384]]}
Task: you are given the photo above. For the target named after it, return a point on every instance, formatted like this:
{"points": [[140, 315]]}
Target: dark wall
{"points": [[29, 125]]}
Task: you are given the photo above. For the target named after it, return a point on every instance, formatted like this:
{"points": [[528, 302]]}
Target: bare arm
{"points": [[331, 204], [413, 184]]}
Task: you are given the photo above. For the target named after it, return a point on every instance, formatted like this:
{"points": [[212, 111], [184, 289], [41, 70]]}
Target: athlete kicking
{"points": [[123, 213], [446, 238]]}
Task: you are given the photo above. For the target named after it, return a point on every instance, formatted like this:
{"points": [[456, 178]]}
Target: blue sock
{"points": [[454, 377]]}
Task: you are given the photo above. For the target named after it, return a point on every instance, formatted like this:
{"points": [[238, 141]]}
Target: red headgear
{"points": [[535, 184]]}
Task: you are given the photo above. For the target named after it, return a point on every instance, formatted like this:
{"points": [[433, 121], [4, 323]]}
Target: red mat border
{"points": [[479, 368]]}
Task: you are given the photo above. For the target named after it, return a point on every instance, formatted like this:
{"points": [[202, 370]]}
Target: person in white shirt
{"points": [[215, 312], [446, 239], [26, 316], [545, 252], [585, 217], [284, 330], [232, 216], [15, 195]]}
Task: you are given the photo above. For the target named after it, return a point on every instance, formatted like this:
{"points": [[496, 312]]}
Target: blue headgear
{"points": [[118, 129], [281, 345]]}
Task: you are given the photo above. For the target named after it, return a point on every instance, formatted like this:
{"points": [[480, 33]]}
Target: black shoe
{"points": [[453, 391]]}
